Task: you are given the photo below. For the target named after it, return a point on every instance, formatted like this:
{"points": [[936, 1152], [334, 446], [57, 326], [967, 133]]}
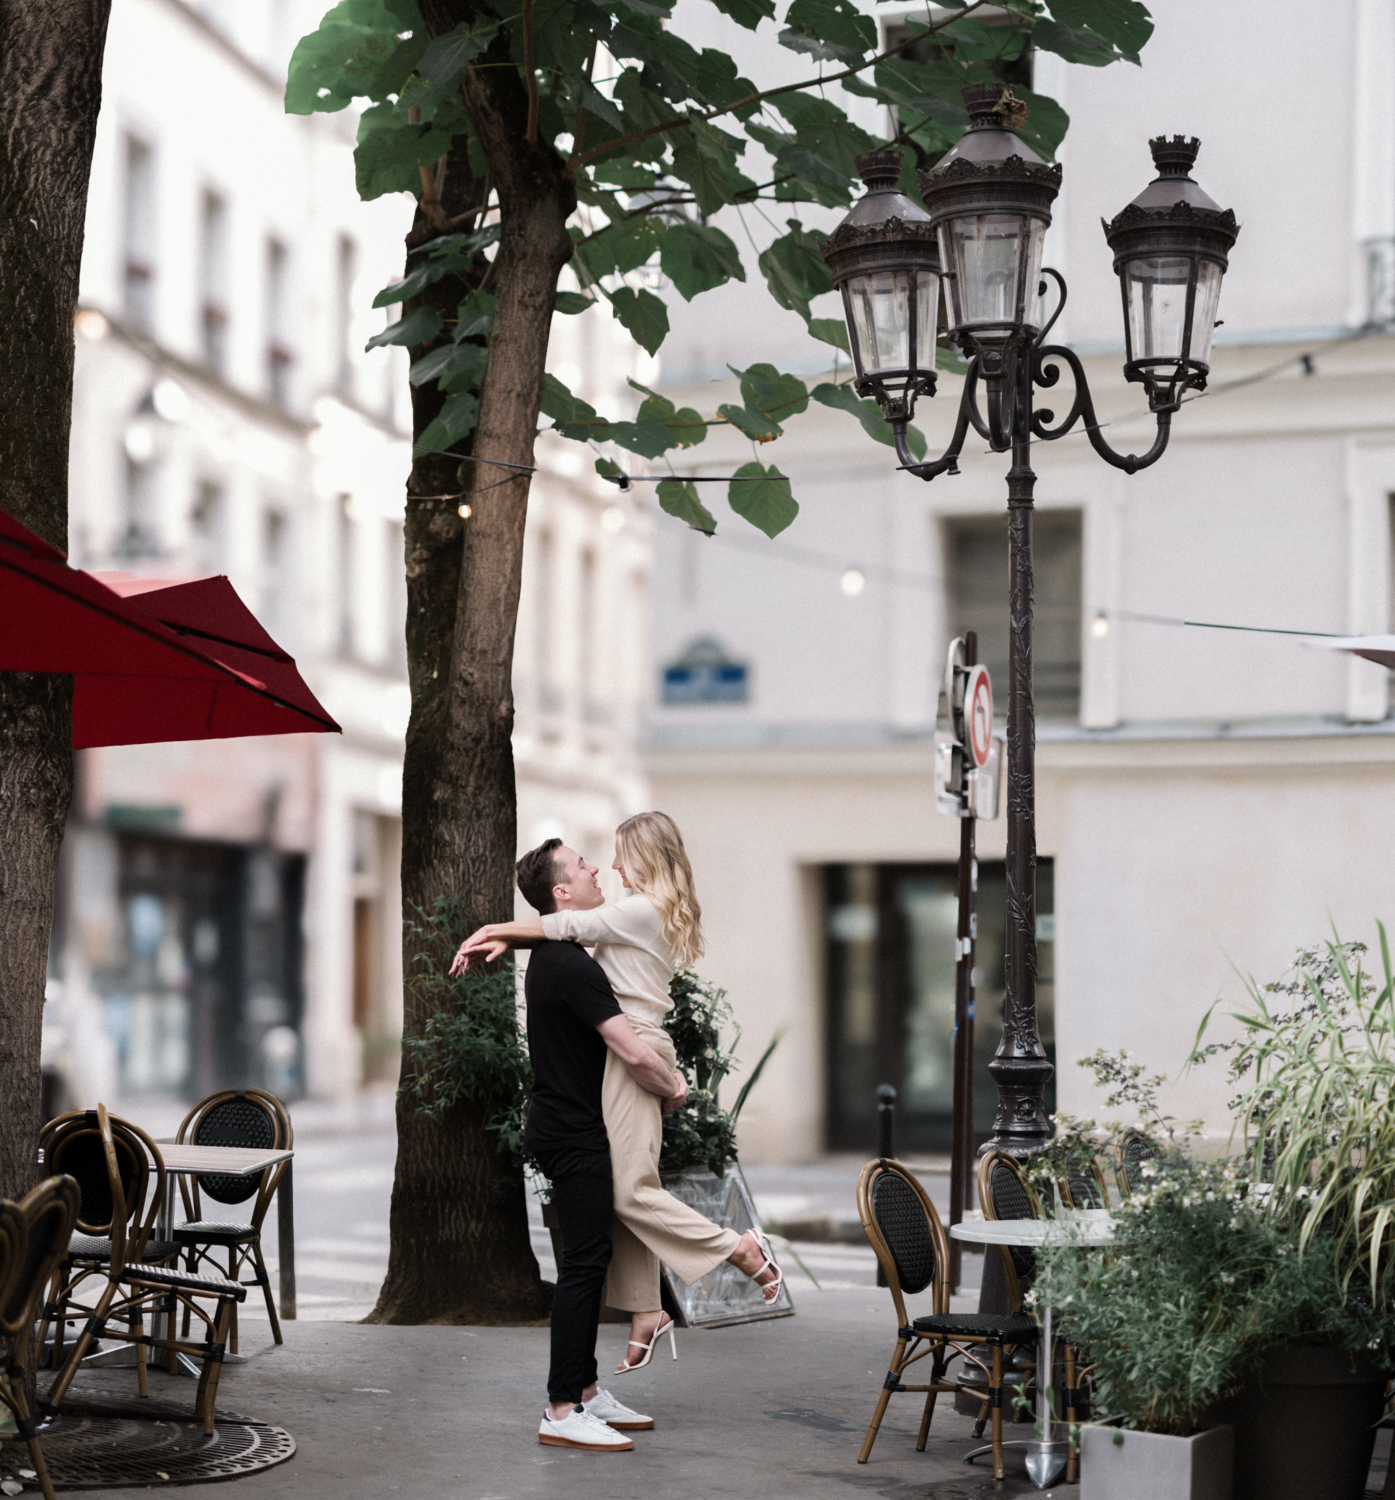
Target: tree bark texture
{"points": [[50, 93], [460, 1250]]}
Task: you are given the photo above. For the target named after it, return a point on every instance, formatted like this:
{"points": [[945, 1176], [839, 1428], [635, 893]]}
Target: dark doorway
{"points": [[890, 933]]}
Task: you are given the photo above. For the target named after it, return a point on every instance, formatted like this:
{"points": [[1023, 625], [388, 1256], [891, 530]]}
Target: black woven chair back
{"points": [[33, 1236], [75, 1149], [905, 1227], [1134, 1151], [235, 1122], [1012, 1201], [1085, 1190]]}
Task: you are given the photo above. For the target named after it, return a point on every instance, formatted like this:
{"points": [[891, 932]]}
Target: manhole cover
{"points": [[97, 1444]]}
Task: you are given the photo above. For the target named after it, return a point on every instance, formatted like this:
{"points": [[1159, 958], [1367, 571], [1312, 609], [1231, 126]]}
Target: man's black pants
{"points": [[582, 1192]]}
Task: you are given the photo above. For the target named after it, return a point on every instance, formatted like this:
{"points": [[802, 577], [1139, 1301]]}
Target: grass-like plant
{"points": [[1315, 1068]]}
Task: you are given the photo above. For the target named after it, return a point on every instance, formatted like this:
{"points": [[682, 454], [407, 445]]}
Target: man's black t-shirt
{"points": [[568, 996]]}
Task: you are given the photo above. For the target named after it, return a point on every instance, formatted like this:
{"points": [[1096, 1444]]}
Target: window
{"points": [[396, 594], [345, 568], [976, 554], [278, 354], [138, 538], [138, 236], [549, 696], [593, 710], [346, 273], [275, 582], [213, 281], [890, 941], [206, 529]]}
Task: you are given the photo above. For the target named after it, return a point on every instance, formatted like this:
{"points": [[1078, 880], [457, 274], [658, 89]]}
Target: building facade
{"points": [[230, 911], [1207, 800]]}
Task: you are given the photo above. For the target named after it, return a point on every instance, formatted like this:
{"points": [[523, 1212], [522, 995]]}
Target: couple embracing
{"points": [[603, 1078]]}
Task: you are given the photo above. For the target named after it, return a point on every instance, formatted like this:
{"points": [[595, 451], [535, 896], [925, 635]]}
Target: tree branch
{"points": [[579, 124], [531, 134], [759, 98]]}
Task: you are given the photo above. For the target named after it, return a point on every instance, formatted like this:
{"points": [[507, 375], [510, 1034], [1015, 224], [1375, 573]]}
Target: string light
{"points": [[853, 581], [463, 511]]}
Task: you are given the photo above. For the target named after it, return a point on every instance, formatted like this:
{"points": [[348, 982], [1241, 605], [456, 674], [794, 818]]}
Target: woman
{"points": [[639, 942]]}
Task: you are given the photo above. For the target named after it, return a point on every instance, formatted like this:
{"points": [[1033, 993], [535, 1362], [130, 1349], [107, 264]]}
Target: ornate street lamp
{"points": [[989, 202]]}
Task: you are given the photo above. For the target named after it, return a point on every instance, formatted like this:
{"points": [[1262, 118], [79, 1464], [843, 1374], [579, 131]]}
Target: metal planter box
{"points": [[724, 1295], [1154, 1466]]}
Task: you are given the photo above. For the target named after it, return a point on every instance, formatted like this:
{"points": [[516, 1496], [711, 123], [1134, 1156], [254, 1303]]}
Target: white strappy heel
{"points": [[769, 1290], [663, 1328]]}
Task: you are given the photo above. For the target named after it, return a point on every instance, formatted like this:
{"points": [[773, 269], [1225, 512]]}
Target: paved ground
{"points": [[769, 1411]]}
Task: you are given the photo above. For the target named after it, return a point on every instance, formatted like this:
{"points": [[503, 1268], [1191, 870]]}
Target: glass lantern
{"points": [[1170, 251], [885, 264], [990, 201]]}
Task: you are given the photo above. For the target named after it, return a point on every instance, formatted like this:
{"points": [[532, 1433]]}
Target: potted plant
{"points": [[1242, 1317]]}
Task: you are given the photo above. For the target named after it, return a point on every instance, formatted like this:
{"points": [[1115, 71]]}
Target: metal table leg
{"points": [[285, 1241]]}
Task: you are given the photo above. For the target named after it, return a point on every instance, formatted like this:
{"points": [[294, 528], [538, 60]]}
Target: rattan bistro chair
{"points": [[33, 1236], [1131, 1150], [1004, 1194], [133, 1287], [121, 1192], [1083, 1186], [233, 1117], [905, 1232]]}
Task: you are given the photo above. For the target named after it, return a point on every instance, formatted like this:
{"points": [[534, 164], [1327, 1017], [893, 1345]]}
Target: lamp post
{"points": [[979, 239]]}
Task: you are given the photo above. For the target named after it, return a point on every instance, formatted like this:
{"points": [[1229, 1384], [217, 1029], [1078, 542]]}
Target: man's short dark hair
{"points": [[537, 874]]}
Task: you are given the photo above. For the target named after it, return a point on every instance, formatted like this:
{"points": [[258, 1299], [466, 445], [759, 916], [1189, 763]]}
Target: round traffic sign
{"points": [[978, 715]]}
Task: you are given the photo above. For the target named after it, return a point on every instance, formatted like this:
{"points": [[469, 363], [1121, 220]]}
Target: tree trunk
{"points": [[50, 92], [460, 1250]]}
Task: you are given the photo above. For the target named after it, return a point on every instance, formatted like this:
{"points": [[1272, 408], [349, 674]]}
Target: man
{"points": [[573, 1018]]}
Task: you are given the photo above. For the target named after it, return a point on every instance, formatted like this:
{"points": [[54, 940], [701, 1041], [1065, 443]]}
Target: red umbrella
{"points": [[151, 660]]}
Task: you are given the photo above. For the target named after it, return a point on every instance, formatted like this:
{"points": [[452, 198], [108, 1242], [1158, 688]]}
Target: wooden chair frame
{"points": [[135, 1209], [242, 1246], [133, 1287], [1121, 1168], [1096, 1176], [1071, 1393], [946, 1336], [34, 1233]]}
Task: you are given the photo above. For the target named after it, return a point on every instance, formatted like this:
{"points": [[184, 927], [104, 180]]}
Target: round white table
{"points": [[1086, 1227]]}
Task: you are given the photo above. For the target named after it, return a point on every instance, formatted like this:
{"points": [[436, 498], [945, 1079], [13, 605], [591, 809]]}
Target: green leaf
{"points": [[607, 468], [747, 13], [829, 30], [454, 359], [705, 159], [768, 390], [762, 495], [571, 416], [413, 282], [571, 303], [795, 270], [442, 62], [643, 315], [474, 316], [421, 324], [457, 417], [620, 248], [680, 498], [648, 439], [831, 331], [826, 132], [686, 427], [391, 151], [755, 424], [354, 53], [697, 257], [844, 398], [1124, 24]]}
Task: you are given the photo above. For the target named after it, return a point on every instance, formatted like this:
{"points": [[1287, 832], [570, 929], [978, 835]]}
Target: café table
{"points": [[1086, 1228], [224, 1161]]}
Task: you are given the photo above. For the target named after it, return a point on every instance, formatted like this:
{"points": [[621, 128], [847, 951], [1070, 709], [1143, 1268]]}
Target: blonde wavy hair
{"points": [[656, 865]]}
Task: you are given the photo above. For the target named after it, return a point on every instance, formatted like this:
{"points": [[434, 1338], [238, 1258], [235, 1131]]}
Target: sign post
{"points": [[966, 787]]}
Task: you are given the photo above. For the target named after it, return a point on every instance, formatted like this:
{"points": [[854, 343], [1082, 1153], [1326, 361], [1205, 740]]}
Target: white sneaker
{"points": [[616, 1414], [579, 1429]]}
